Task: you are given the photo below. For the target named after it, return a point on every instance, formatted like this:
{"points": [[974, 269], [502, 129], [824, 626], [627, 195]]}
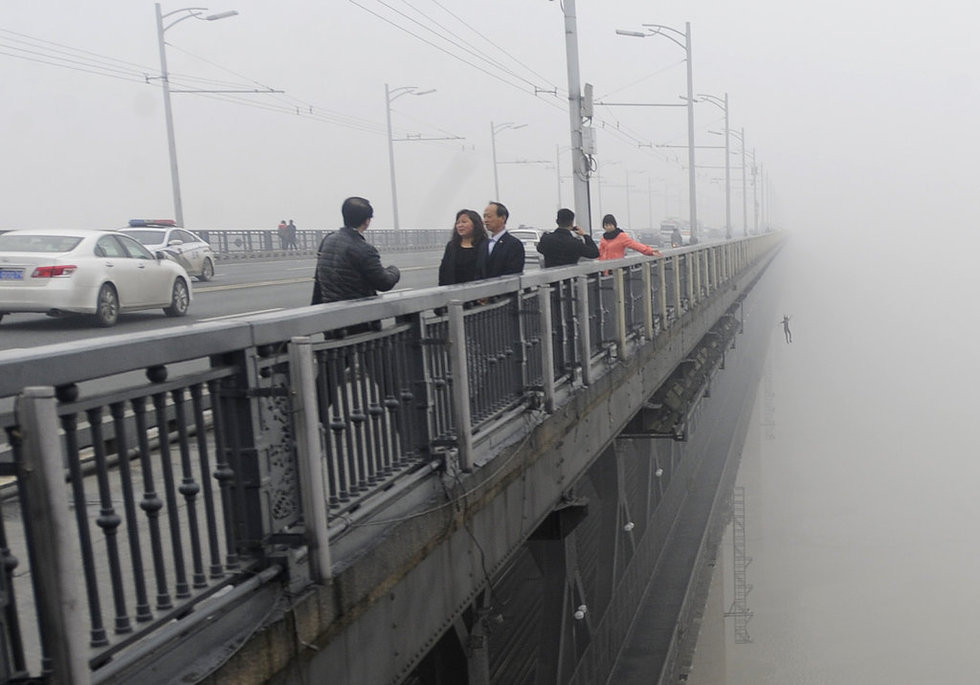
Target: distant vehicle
{"points": [[188, 249], [530, 237], [103, 273]]}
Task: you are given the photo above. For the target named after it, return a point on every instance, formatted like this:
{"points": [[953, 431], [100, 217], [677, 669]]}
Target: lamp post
{"points": [[723, 104], [190, 12], [494, 129], [745, 212], [672, 35], [392, 94]]}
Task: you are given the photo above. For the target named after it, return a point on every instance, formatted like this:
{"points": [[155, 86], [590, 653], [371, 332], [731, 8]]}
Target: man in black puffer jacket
{"points": [[567, 243], [347, 266]]}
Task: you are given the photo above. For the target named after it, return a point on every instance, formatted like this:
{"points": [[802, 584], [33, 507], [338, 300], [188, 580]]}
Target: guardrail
{"points": [[280, 420], [251, 241]]}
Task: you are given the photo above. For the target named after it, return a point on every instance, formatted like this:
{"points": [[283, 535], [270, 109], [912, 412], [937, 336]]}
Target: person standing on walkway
{"points": [[291, 235], [459, 260], [347, 266], [281, 232], [504, 254], [568, 243], [615, 242]]}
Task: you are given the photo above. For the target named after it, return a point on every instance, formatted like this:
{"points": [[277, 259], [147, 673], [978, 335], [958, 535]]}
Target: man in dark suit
{"points": [[504, 254]]}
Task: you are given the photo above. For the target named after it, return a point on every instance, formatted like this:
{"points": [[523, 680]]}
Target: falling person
{"points": [[788, 333]]}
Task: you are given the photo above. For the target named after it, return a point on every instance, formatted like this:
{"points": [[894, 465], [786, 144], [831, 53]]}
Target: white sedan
{"points": [[87, 272], [189, 250]]}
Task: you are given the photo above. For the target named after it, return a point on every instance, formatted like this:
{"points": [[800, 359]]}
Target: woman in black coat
{"points": [[459, 260]]}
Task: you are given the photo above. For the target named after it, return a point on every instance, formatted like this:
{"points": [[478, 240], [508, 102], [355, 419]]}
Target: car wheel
{"points": [[180, 300], [207, 271], [107, 306]]}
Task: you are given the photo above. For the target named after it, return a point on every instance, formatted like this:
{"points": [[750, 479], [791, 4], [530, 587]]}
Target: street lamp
{"points": [[494, 129], [195, 13], [391, 95], [745, 212], [671, 34], [723, 104]]}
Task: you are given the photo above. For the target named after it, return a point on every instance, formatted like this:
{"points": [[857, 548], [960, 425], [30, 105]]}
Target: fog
{"points": [[862, 115], [861, 496]]}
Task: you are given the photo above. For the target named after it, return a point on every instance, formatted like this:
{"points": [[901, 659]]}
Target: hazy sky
{"points": [[862, 114]]}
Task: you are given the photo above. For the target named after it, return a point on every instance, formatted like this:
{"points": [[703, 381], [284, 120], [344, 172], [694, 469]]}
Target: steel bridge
{"points": [[483, 487]]}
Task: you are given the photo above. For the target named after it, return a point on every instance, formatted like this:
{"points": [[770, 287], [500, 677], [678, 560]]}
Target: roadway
{"points": [[240, 288]]}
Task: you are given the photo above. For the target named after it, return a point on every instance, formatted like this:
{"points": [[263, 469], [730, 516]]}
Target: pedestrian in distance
{"points": [[504, 254], [291, 235], [459, 260], [615, 242], [568, 243], [347, 266], [281, 231], [786, 331]]}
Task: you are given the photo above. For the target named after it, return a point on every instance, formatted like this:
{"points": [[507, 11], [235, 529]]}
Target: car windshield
{"points": [[27, 242], [147, 236], [525, 235]]}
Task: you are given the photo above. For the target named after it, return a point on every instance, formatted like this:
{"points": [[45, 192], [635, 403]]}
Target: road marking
{"points": [[284, 281], [235, 316], [239, 286]]}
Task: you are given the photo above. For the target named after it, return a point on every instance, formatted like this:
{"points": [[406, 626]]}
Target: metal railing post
{"points": [[584, 334], [662, 292], [619, 295], [309, 453], [460, 385], [54, 552], [691, 261], [677, 284], [647, 301], [547, 349]]}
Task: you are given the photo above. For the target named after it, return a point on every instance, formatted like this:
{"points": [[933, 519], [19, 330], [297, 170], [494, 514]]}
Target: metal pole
{"points": [[558, 171], [728, 180], [690, 135], [629, 210], [745, 211], [598, 191], [391, 160], [649, 203], [171, 143], [493, 147], [763, 197], [580, 181], [755, 194]]}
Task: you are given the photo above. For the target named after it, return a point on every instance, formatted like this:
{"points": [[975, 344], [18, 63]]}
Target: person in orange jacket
{"points": [[614, 242]]}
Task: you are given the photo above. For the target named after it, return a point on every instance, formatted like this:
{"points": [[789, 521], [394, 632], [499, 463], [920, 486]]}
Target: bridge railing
{"points": [[242, 241], [211, 444]]}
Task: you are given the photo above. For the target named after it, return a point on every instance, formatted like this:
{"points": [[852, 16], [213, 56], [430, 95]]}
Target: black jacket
{"points": [[561, 247], [348, 267], [447, 267], [507, 258]]}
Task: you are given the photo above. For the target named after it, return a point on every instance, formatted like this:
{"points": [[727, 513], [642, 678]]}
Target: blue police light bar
{"points": [[140, 223]]}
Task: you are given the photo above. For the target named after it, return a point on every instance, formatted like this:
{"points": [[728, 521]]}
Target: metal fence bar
{"points": [[142, 607], [647, 302], [584, 334], [54, 543], [619, 317]]}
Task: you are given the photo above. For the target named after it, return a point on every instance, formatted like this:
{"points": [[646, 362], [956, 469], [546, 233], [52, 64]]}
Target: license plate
{"points": [[11, 275]]}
